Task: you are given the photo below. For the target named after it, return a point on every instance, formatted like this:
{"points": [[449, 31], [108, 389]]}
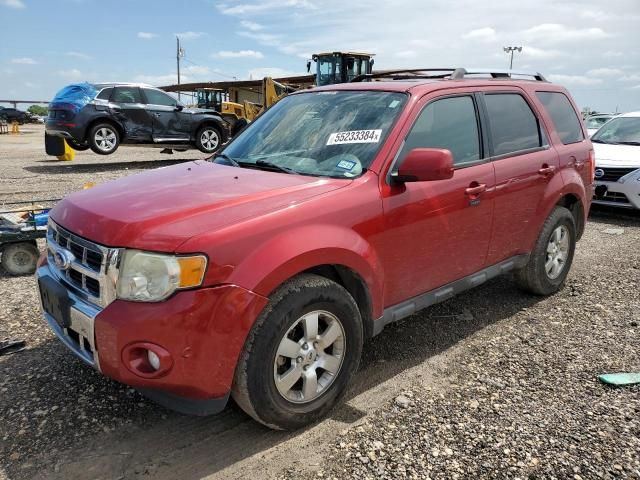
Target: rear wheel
{"points": [[208, 139], [104, 139], [300, 355], [551, 258], [20, 258]]}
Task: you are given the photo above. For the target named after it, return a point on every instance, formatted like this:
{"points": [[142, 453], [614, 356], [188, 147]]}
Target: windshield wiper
{"points": [[628, 143], [275, 166], [231, 160], [598, 141]]}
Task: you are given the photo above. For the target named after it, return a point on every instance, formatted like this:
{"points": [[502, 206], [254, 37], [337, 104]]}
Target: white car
{"points": [[594, 122], [617, 148]]}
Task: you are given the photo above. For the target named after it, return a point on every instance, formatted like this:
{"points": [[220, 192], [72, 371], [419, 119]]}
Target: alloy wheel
{"points": [[309, 357], [557, 252], [105, 139], [209, 139]]}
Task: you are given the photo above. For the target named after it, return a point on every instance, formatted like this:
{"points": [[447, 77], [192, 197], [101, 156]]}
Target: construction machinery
{"points": [[340, 67], [239, 114]]}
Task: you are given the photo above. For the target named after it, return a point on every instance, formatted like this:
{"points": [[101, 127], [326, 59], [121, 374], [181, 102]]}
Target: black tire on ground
{"points": [[208, 139], [78, 147], [20, 258], [536, 277], [103, 138], [254, 387], [238, 126]]}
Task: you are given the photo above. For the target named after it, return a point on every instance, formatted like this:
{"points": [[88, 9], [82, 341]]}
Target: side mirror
{"points": [[179, 107], [308, 66], [424, 165]]}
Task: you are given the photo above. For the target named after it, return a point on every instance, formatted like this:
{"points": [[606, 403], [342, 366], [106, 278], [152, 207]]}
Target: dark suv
{"points": [[13, 114], [103, 116]]}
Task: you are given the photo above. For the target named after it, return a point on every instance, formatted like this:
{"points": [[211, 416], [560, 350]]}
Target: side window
{"points": [[156, 97], [513, 125], [126, 95], [449, 123], [563, 116], [105, 94]]}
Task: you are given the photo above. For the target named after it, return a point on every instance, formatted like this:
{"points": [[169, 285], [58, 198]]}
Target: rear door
{"points": [[437, 232], [524, 165], [127, 107], [169, 122]]}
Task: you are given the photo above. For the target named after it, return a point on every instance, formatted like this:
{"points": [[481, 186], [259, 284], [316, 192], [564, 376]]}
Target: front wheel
{"points": [[300, 355], [104, 139], [551, 258], [208, 139]]}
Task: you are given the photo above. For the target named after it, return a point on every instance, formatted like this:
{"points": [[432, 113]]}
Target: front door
{"points": [[169, 122], [437, 232]]}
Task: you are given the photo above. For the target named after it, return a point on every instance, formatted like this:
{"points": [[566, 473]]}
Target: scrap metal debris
{"points": [[12, 346], [620, 379]]}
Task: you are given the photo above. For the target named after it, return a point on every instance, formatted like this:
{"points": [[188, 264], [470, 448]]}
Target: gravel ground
{"points": [[493, 383], [520, 399]]}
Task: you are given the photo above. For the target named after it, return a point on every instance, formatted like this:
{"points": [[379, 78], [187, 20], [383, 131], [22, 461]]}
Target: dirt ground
{"points": [[496, 383]]}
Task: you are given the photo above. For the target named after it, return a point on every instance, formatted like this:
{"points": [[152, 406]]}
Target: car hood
{"points": [[161, 209], [608, 155]]}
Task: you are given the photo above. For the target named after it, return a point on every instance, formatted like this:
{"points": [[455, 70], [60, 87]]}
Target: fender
{"points": [[553, 194], [305, 247]]}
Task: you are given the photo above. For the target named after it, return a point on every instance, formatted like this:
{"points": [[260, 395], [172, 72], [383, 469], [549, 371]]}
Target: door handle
{"points": [[475, 189], [156, 114], [547, 170]]}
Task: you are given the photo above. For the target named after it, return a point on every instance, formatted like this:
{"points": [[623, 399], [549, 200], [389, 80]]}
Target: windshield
{"points": [[597, 122], [621, 130], [335, 134]]}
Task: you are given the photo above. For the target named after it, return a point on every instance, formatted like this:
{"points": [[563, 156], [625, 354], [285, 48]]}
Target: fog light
{"points": [[154, 360]]}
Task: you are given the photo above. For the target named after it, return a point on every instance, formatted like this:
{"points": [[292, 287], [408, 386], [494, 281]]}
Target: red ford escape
{"points": [[260, 273]]}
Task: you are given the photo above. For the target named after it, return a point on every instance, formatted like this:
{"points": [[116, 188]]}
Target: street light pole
{"points": [[179, 53], [511, 50]]}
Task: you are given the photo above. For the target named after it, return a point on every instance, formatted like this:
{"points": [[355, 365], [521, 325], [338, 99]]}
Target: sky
{"points": [[589, 46]]}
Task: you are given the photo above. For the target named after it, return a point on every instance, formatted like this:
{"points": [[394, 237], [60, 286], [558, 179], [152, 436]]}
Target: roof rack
{"points": [[460, 73], [451, 73], [404, 74]]}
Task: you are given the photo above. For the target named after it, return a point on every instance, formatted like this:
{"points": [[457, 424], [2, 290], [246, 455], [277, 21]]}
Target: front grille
{"points": [[613, 174], [87, 273], [615, 197]]}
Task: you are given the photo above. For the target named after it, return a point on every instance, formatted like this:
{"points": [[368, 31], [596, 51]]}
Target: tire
{"points": [[104, 138], [238, 126], [20, 258], [542, 275], [208, 139], [260, 387], [78, 147]]}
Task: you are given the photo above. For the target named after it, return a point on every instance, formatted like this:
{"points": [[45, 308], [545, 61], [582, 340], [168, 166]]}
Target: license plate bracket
{"points": [[55, 301]]}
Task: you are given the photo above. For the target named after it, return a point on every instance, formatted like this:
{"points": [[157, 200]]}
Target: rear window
{"points": [[105, 94], [514, 127], [563, 116], [126, 95]]}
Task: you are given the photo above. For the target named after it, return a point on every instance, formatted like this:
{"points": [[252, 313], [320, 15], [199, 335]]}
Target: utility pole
{"points": [[179, 54], [511, 50]]}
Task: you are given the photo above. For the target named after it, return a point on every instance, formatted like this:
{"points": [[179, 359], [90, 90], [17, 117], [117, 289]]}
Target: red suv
{"points": [[260, 273]]}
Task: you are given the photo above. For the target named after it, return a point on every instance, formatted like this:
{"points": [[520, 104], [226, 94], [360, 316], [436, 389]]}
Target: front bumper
{"points": [[624, 193], [204, 331]]}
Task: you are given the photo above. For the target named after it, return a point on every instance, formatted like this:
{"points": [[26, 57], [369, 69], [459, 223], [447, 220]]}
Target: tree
{"points": [[37, 110]]}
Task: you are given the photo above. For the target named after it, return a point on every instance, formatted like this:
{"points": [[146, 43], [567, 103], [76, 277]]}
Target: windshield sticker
{"points": [[394, 104], [346, 165], [355, 136]]}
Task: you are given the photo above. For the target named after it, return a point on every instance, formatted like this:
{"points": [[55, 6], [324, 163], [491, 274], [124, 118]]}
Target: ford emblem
{"points": [[599, 173], [63, 258]]}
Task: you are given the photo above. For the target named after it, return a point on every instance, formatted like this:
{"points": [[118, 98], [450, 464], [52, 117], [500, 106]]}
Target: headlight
{"points": [[151, 277]]}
